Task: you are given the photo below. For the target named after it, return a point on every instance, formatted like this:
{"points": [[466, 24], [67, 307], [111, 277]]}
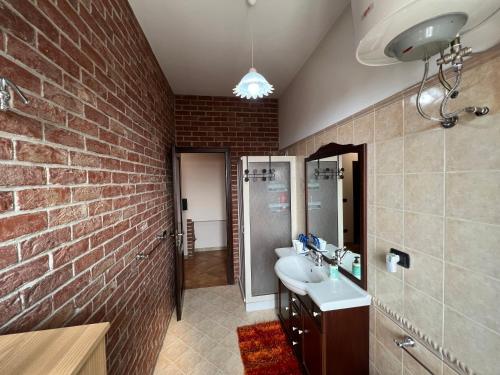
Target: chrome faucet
{"points": [[5, 95], [316, 256], [340, 253]]}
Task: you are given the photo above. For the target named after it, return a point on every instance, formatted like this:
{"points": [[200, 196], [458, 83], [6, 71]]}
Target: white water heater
{"points": [[390, 31]]}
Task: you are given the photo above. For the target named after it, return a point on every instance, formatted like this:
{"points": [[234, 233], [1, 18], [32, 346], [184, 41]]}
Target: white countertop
{"points": [[330, 295]]}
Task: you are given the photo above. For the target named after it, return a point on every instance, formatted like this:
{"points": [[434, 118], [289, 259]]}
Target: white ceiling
{"points": [[203, 46]]}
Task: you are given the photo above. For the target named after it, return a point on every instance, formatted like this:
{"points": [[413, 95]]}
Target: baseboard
{"points": [[203, 249]]}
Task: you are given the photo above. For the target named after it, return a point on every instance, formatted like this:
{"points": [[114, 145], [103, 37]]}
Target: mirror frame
{"points": [[335, 149]]}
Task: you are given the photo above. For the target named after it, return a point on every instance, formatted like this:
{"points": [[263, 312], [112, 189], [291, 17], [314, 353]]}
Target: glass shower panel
{"points": [[270, 224], [241, 235]]}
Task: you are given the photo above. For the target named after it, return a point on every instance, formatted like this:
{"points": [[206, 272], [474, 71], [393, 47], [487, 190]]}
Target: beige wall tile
{"points": [[389, 156], [389, 191], [483, 294], [370, 159], [345, 133], [424, 233], [389, 121], [424, 311], [389, 224], [431, 100], [473, 344], [448, 370], [301, 148], [473, 245], [371, 188], [310, 146], [386, 331], [425, 273], [372, 224], [390, 290], [426, 357], [473, 196], [424, 152], [473, 144], [364, 128], [386, 363], [424, 193], [321, 139]]}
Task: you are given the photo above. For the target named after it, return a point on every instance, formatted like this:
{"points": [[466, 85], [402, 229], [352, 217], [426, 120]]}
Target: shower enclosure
{"points": [[267, 203]]}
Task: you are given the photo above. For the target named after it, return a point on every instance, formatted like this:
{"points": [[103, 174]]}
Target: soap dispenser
{"points": [[356, 267]]}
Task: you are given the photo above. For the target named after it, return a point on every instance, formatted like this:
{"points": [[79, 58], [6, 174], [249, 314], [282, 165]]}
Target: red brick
{"points": [[19, 75], [86, 193], [21, 274], [88, 260], [5, 149], [99, 177], [36, 18], [56, 16], [31, 318], [102, 266], [61, 97], [8, 255], [76, 88], [14, 24], [12, 175], [67, 215], [30, 57], [40, 153], [44, 242], [16, 226], [70, 252], [62, 136], [65, 176], [15, 123], [57, 56], [9, 307], [86, 227], [42, 109], [96, 116], [37, 198], [97, 147], [97, 208], [45, 286], [70, 290], [84, 160], [76, 54], [73, 16], [82, 125]]}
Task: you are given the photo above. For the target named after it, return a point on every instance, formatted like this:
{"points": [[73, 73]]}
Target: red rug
{"points": [[265, 350]]}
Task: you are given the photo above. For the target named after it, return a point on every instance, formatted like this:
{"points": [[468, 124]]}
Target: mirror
{"points": [[336, 205]]}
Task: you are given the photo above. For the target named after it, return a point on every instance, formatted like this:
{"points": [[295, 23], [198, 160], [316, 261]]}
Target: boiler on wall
{"points": [[392, 31]]}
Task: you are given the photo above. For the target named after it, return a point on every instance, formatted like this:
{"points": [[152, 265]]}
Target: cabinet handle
{"points": [[316, 314], [300, 332], [294, 299], [294, 343], [287, 308], [294, 313], [294, 328]]}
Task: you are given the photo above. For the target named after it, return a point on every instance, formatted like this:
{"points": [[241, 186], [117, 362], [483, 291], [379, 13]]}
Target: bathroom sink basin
{"points": [[297, 272]]}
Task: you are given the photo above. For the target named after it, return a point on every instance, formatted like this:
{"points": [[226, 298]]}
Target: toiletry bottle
{"points": [[334, 271], [356, 267]]}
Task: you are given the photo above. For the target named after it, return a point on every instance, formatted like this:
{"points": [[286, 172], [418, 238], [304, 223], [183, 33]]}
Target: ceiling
{"points": [[203, 46]]}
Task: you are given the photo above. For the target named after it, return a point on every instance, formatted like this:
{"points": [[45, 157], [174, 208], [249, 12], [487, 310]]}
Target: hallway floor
{"points": [[205, 340], [205, 269]]}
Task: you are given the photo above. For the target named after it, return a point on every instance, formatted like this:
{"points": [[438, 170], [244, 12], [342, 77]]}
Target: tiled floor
{"points": [[206, 268], [205, 340]]}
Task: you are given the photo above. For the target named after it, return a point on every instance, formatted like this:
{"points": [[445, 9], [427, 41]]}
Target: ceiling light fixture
{"points": [[253, 85]]}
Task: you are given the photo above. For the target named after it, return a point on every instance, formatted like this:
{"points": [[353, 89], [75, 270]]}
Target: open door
{"points": [[177, 235]]}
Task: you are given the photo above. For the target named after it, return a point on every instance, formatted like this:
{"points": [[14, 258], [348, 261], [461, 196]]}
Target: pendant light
{"points": [[253, 85]]}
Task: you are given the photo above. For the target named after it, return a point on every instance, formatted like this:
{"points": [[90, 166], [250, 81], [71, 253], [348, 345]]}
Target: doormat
{"points": [[265, 350]]}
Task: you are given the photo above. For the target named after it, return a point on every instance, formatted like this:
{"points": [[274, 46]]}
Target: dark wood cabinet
{"points": [[325, 342]]}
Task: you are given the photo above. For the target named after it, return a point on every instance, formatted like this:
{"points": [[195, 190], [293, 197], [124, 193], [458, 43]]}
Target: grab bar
{"points": [[161, 236], [409, 342]]}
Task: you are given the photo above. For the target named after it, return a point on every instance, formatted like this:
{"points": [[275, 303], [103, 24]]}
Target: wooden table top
{"points": [[53, 351]]}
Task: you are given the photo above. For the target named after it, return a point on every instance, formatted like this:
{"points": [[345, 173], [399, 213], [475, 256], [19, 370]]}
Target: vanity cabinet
{"points": [[325, 342]]}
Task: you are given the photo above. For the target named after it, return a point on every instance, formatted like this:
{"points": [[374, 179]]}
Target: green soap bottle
{"points": [[356, 267]]}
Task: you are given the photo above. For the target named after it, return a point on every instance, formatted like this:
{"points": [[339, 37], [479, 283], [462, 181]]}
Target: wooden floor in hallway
{"points": [[205, 269]]}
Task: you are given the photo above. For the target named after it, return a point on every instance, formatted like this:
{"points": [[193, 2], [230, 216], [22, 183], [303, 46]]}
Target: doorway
{"points": [[206, 207]]}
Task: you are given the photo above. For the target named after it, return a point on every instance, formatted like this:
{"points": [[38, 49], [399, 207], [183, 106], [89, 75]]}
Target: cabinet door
{"points": [[284, 305], [311, 348]]}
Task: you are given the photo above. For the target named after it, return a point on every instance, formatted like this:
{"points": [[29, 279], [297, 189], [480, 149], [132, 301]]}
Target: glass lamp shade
{"points": [[253, 85]]}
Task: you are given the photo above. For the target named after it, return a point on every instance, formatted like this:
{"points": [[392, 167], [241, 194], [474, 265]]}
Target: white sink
{"points": [[296, 272], [299, 274]]}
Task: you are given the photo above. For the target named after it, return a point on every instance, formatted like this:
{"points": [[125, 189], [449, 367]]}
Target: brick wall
{"points": [[245, 127], [84, 180]]}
